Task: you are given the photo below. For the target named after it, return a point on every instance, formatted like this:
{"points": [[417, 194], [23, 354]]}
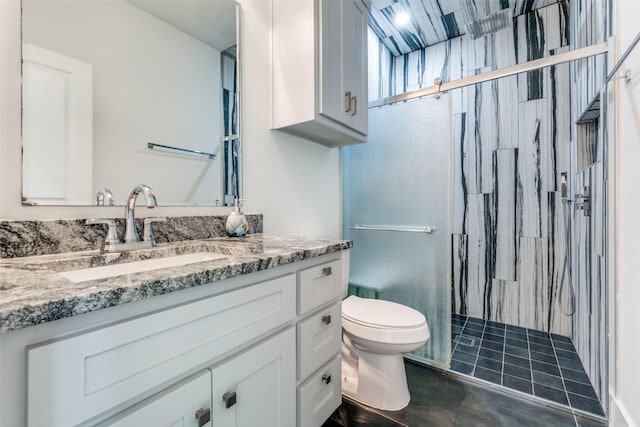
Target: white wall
{"points": [[295, 183], [627, 377]]}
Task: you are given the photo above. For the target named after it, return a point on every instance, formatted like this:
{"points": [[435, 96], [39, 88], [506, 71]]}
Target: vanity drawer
{"points": [[74, 379], [319, 338], [320, 395], [318, 285]]}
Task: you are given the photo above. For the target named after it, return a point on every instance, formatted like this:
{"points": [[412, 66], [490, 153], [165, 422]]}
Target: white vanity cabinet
{"points": [[320, 70], [261, 349], [102, 369]]}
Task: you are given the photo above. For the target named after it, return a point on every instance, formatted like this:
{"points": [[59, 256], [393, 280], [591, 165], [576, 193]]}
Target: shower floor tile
{"points": [[537, 363]]}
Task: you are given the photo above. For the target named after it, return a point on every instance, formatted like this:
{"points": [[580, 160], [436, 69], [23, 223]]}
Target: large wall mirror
{"points": [[124, 92]]}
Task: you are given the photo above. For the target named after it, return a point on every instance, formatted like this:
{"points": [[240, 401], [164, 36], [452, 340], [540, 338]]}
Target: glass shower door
{"points": [[401, 179]]}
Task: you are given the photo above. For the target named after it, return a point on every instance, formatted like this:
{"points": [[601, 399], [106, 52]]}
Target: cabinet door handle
{"points": [[327, 271], [355, 106], [203, 415], [229, 399], [349, 98], [326, 319], [326, 378]]}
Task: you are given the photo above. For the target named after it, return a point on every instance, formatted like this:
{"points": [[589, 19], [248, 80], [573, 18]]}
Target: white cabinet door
{"points": [[343, 77], [258, 387], [177, 406], [354, 63]]}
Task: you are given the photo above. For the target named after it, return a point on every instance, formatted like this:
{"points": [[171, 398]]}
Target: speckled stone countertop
{"points": [[32, 292]]}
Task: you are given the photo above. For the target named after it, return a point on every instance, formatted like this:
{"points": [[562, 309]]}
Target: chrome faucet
{"points": [[104, 197], [130, 232], [130, 237]]}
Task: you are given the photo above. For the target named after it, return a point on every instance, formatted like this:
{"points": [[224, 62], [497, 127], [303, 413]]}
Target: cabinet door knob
{"points": [[326, 319], [348, 103], [203, 415], [326, 378], [229, 399], [327, 271]]}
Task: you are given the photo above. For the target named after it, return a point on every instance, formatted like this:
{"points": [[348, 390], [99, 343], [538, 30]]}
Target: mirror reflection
{"points": [[104, 80]]}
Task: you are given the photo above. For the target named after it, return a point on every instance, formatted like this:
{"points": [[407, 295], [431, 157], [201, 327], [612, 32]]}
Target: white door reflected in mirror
{"points": [[57, 127]]}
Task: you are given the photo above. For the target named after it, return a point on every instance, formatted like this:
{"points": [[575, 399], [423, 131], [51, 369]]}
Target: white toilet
{"points": [[375, 333]]}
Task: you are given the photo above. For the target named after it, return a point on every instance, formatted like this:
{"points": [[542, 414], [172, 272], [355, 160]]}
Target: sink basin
{"points": [[105, 271]]}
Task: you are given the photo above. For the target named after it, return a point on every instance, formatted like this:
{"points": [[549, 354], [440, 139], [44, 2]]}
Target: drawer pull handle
{"points": [[326, 378], [349, 98], [203, 415], [326, 319], [229, 399], [326, 271]]}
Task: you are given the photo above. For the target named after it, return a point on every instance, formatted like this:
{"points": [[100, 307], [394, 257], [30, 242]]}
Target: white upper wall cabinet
{"points": [[320, 70]]}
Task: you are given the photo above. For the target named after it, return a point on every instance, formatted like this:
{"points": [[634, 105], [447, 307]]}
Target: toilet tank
{"points": [[345, 272]]}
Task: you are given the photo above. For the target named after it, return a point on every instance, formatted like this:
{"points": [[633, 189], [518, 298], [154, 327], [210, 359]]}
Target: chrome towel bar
{"points": [[153, 145], [425, 229]]}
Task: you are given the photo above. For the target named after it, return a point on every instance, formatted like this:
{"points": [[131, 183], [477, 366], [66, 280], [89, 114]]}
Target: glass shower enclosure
{"points": [[397, 212]]}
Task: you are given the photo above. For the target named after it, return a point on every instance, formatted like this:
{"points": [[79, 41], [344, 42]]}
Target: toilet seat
{"points": [[383, 321], [375, 313]]}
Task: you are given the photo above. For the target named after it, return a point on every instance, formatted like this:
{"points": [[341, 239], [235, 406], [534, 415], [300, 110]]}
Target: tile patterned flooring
{"points": [[533, 362], [446, 399]]}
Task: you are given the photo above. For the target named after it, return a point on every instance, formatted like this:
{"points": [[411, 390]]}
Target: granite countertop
{"points": [[31, 291]]}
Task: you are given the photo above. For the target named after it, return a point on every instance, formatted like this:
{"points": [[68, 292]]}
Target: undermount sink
{"points": [[113, 270]]}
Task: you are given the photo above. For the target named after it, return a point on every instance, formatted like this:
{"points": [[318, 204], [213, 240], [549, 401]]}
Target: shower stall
{"points": [[475, 208]]}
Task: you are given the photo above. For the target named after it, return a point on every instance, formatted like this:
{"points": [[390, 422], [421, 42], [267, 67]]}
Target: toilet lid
{"points": [[380, 313]]}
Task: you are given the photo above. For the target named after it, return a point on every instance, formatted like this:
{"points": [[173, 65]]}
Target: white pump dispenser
{"points": [[237, 224]]}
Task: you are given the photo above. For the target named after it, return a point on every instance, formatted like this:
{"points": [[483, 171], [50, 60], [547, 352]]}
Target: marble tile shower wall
{"points": [[591, 23], [511, 140]]}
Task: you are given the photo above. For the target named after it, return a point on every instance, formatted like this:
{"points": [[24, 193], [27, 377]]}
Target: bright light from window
{"points": [[402, 18]]}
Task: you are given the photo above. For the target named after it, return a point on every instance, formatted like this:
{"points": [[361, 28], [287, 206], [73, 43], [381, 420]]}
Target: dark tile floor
{"points": [[537, 363], [443, 399]]}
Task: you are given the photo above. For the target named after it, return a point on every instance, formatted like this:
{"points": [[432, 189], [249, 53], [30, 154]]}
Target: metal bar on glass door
{"points": [[417, 229]]}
